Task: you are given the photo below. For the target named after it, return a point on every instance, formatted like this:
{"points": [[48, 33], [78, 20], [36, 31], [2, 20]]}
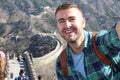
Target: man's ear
{"points": [[83, 22]]}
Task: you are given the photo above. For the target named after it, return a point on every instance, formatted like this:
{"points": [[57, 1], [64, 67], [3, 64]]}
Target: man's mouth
{"points": [[68, 31]]}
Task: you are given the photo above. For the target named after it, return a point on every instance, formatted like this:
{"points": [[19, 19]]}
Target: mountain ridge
{"points": [[25, 18], [97, 13]]}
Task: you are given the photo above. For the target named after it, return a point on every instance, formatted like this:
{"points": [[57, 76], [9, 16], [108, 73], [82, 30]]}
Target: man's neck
{"points": [[78, 45]]}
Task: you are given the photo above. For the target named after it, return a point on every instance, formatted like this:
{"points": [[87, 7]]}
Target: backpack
{"points": [[2, 65], [100, 55]]}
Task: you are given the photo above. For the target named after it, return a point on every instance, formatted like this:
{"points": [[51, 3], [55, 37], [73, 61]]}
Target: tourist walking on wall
{"points": [[22, 76], [81, 61]]}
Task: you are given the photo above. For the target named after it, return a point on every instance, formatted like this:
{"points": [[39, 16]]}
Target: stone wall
{"points": [[46, 59], [30, 66]]}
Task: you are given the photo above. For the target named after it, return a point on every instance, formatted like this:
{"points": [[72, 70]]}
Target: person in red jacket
{"points": [[2, 65]]}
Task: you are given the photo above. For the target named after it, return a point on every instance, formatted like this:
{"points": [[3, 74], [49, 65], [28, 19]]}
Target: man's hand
{"points": [[118, 29]]}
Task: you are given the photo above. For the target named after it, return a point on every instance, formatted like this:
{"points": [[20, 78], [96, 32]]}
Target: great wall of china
{"points": [[42, 60]]}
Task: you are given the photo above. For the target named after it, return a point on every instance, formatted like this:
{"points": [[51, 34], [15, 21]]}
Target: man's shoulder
{"points": [[17, 78], [102, 32], [23, 77]]}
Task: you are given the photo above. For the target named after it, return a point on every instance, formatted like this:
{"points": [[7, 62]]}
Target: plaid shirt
{"points": [[109, 44]]}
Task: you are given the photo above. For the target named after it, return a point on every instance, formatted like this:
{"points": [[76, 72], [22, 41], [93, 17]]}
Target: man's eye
{"points": [[72, 19], [61, 21]]}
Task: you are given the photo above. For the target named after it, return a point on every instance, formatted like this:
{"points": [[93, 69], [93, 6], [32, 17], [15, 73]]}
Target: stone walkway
{"points": [[15, 67]]}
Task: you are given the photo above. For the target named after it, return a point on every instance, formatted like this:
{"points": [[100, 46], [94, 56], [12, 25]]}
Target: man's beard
{"points": [[73, 39]]}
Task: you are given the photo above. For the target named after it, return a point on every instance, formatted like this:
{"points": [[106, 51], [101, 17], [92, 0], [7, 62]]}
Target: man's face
{"points": [[70, 23]]}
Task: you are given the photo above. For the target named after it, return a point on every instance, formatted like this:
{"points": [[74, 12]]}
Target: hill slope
{"points": [[39, 14]]}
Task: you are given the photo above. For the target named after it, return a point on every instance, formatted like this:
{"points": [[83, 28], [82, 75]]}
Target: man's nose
{"points": [[68, 24]]}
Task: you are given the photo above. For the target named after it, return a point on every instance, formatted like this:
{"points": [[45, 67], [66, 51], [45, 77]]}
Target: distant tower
{"points": [[30, 23]]}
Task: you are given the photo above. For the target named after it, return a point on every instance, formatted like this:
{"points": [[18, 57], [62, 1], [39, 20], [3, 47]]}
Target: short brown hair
{"points": [[68, 5]]}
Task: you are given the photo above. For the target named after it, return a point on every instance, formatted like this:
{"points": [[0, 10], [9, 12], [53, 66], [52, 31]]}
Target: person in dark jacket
{"points": [[22, 75]]}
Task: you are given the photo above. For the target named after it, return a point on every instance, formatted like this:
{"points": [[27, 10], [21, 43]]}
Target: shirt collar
{"points": [[86, 37]]}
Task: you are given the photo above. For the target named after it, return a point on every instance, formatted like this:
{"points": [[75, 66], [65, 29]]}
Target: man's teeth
{"points": [[68, 31]]}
